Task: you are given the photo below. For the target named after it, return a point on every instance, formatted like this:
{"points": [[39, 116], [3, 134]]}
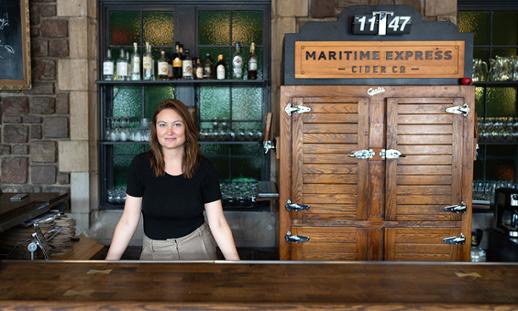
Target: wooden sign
{"points": [[379, 59]]}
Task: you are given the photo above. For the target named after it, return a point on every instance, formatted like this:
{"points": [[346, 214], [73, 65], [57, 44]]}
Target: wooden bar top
{"points": [[273, 285]]}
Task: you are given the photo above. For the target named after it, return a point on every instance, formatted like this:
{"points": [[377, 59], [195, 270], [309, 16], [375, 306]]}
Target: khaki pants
{"points": [[197, 245]]}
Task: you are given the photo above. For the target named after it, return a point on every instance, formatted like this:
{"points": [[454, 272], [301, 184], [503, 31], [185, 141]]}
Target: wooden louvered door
{"points": [[332, 184], [426, 180]]}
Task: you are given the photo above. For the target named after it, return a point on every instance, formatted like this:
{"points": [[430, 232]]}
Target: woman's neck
{"points": [[173, 160]]}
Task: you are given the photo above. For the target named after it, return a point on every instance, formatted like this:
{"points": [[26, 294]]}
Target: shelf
{"points": [[497, 142], [183, 82]]}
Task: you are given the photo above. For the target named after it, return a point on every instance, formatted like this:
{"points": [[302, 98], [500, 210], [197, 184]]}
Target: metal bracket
{"points": [[459, 239], [464, 110], [290, 206], [295, 238], [299, 109]]}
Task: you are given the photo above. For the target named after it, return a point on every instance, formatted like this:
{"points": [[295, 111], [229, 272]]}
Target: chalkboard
{"points": [[14, 44]]}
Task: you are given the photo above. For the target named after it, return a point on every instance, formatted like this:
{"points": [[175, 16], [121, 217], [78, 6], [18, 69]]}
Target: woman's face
{"points": [[170, 129]]}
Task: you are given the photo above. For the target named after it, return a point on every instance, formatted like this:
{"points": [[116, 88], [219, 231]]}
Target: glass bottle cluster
{"points": [[134, 67]]}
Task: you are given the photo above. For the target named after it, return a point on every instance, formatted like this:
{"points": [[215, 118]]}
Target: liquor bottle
{"points": [[148, 64], [207, 67], [199, 69], [220, 68], [237, 63], [135, 63], [128, 61], [163, 67], [108, 66], [187, 65], [169, 67], [252, 63], [177, 62], [122, 67]]}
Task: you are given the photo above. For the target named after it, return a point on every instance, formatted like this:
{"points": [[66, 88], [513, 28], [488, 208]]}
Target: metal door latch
{"points": [[268, 145], [459, 239], [299, 109], [464, 110], [458, 208], [295, 238], [362, 154], [391, 154], [290, 206]]}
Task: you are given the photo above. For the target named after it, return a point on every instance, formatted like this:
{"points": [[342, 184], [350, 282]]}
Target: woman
{"points": [[172, 184]]}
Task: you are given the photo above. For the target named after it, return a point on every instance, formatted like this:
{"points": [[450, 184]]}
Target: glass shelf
{"points": [[497, 142], [183, 82], [496, 83], [237, 142]]}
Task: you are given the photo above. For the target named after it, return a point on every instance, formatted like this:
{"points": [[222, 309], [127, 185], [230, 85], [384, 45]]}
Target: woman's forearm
{"points": [[223, 236], [121, 237]]}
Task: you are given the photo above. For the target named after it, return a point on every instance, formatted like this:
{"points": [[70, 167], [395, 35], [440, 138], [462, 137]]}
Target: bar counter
{"points": [[219, 285]]}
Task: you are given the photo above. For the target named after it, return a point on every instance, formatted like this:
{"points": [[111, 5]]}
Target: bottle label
{"points": [[177, 62], [163, 68], [187, 68], [108, 68], [122, 69], [199, 72], [237, 67], [220, 72], [147, 62], [252, 65], [136, 66]]}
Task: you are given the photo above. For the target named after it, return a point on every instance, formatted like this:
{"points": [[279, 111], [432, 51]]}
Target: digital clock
{"points": [[381, 23]]}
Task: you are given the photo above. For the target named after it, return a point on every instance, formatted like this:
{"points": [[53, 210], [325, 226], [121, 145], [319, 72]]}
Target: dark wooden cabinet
{"points": [[375, 205]]}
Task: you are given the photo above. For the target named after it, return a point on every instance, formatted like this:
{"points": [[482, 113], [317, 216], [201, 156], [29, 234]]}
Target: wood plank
{"points": [[444, 190], [424, 170], [426, 159], [424, 180], [425, 199], [330, 178], [343, 149], [331, 138], [329, 159], [328, 198], [424, 139], [425, 149], [331, 208], [330, 118], [329, 188], [341, 105], [331, 128], [424, 119], [428, 108], [84, 249], [329, 169], [421, 129]]}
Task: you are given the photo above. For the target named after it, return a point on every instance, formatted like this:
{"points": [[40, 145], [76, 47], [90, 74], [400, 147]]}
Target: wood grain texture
{"points": [[247, 285]]}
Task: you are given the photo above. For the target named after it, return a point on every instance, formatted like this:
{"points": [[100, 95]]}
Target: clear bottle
{"points": [[108, 66], [187, 65], [220, 68], [237, 63], [163, 66], [198, 73], [252, 63], [122, 66], [135, 63], [177, 62], [148, 64], [208, 73]]}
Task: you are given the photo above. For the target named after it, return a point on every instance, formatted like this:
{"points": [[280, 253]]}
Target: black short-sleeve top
{"points": [[172, 206]]}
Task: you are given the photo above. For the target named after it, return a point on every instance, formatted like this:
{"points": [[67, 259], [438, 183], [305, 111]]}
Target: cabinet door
{"points": [[423, 244], [429, 176], [330, 243], [323, 176]]}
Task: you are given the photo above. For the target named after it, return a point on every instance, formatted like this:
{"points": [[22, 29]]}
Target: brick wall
{"points": [[32, 122]]}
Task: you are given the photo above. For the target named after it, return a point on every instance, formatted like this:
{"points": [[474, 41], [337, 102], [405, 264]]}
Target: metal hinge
{"points": [[291, 206], [464, 110], [459, 239], [458, 208], [299, 109], [268, 145], [295, 238]]}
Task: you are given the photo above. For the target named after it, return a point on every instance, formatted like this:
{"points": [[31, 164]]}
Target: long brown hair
{"points": [[191, 152]]}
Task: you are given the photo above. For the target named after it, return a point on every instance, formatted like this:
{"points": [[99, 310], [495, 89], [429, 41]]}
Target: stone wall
{"points": [[32, 122], [48, 133]]}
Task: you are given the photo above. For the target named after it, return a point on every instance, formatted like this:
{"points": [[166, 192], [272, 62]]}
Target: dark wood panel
{"points": [[343, 149], [429, 129], [330, 118], [329, 169], [334, 188], [424, 180], [426, 159], [321, 106], [425, 118], [425, 149], [330, 198], [258, 286], [424, 139], [330, 178], [424, 170], [331, 128], [329, 158]]}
